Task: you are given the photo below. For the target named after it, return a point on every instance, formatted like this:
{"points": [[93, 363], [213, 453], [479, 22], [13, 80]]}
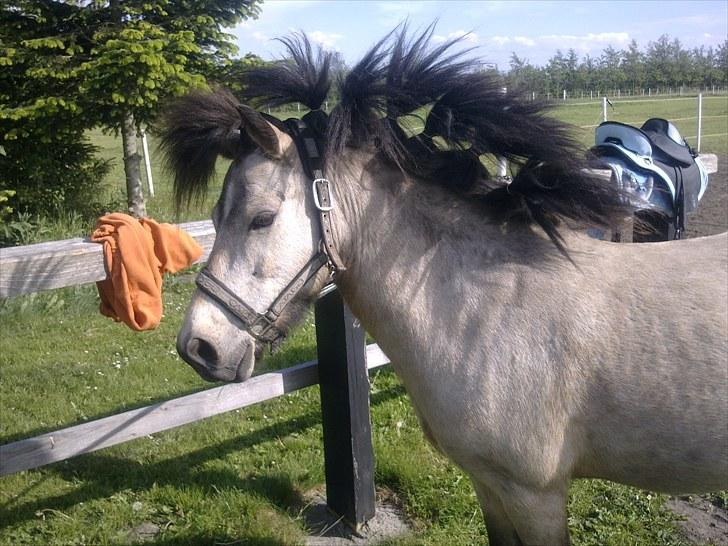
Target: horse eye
{"points": [[264, 219]]}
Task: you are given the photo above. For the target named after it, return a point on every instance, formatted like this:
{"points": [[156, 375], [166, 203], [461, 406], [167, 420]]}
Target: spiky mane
{"points": [[466, 115]]}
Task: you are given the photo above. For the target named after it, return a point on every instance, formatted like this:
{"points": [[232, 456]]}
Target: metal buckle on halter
{"points": [[329, 197], [262, 323]]}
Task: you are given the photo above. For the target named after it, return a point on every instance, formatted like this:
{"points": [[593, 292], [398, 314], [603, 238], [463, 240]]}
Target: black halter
{"points": [[308, 134]]}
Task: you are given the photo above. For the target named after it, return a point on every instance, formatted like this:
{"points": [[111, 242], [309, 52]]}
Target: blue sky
{"points": [[533, 29]]}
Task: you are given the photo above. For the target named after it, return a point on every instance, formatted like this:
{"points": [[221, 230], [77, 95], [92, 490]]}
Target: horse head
{"points": [[265, 266], [274, 231]]}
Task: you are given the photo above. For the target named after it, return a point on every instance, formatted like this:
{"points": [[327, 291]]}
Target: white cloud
{"points": [[523, 40], [468, 37], [284, 6], [260, 36], [585, 42], [400, 8], [500, 40], [694, 19], [393, 13], [326, 39]]}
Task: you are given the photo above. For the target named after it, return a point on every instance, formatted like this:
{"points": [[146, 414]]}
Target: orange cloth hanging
{"points": [[136, 253]]}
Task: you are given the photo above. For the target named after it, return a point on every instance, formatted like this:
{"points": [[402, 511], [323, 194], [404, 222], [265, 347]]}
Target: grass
{"points": [[242, 477], [681, 111]]}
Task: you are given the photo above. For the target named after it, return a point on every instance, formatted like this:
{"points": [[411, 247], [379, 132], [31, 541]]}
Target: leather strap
{"points": [[325, 204], [260, 325], [307, 134]]}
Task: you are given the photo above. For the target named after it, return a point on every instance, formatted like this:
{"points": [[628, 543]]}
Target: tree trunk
{"points": [[132, 168]]}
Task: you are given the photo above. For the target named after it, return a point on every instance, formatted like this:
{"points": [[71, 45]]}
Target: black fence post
{"points": [[344, 382]]}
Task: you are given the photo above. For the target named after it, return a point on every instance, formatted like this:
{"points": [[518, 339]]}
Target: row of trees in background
{"points": [[663, 64], [69, 66]]}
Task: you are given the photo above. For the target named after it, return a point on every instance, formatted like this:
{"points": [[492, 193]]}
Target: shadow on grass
{"points": [[105, 475], [15, 437]]}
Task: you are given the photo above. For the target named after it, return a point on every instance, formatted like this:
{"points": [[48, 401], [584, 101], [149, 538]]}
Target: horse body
{"points": [[528, 372], [597, 368], [532, 353]]}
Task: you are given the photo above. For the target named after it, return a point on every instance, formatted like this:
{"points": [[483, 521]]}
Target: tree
{"points": [[556, 73], [610, 69], [721, 64], [588, 72], [665, 64], [633, 66], [571, 66], [658, 61], [46, 163], [111, 63]]}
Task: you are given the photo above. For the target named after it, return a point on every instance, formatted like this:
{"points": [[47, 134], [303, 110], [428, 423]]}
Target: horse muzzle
{"points": [[207, 361]]}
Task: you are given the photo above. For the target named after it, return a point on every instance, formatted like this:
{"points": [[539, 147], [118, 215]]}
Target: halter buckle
{"points": [[262, 324], [328, 197]]}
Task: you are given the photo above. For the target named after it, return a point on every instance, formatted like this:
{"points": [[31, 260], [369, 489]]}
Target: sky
{"points": [[534, 30]]}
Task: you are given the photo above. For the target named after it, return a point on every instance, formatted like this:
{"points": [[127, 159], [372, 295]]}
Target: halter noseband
{"points": [[307, 133]]}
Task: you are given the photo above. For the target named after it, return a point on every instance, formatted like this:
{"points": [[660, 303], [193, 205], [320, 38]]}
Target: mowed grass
{"points": [[683, 112], [242, 477]]}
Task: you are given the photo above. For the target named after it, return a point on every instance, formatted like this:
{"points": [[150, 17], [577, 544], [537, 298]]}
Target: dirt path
{"points": [[712, 214]]}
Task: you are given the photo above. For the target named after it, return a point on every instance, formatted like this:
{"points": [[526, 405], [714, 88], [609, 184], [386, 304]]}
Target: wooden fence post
{"points": [[348, 452]]}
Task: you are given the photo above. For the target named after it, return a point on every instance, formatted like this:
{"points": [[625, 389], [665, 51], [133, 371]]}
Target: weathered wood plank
{"points": [[57, 264], [94, 435]]}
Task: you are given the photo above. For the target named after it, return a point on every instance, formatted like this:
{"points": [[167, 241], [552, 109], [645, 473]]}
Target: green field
{"points": [[585, 116], [243, 478]]}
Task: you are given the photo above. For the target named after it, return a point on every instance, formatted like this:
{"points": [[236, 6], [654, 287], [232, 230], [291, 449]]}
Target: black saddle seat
{"points": [[666, 140]]}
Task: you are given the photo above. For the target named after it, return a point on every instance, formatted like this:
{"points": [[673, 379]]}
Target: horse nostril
{"points": [[203, 351]]}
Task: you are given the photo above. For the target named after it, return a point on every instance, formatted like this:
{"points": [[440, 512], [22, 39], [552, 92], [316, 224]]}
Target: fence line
{"points": [[618, 93], [341, 366], [91, 436], [641, 101], [671, 119]]}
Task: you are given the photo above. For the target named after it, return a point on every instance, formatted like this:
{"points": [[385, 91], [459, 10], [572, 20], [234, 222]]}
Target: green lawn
{"points": [[243, 477], [683, 112]]}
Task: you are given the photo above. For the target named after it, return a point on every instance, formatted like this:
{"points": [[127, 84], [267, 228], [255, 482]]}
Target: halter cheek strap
{"points": [[307, 134]]}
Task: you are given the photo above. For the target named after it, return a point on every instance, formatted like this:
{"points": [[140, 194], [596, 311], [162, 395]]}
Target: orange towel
{"points": [[136, 253]]}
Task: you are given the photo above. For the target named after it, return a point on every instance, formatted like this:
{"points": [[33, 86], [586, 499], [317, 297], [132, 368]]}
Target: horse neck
{"points": [[403, 242]]}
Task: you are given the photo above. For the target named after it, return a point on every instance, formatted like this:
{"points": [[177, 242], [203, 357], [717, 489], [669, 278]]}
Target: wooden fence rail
{"points": [[87, 437], [57, 264], [340, 346]]}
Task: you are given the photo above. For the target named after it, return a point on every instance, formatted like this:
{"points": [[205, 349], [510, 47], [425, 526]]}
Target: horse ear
{"points": [[267, 137]]}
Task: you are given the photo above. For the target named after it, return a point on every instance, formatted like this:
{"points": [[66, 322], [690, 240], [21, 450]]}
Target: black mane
{"points": [[466, 115]]}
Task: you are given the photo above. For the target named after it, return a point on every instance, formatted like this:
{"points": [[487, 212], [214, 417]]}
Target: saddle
{"points": [[658, 168]]}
